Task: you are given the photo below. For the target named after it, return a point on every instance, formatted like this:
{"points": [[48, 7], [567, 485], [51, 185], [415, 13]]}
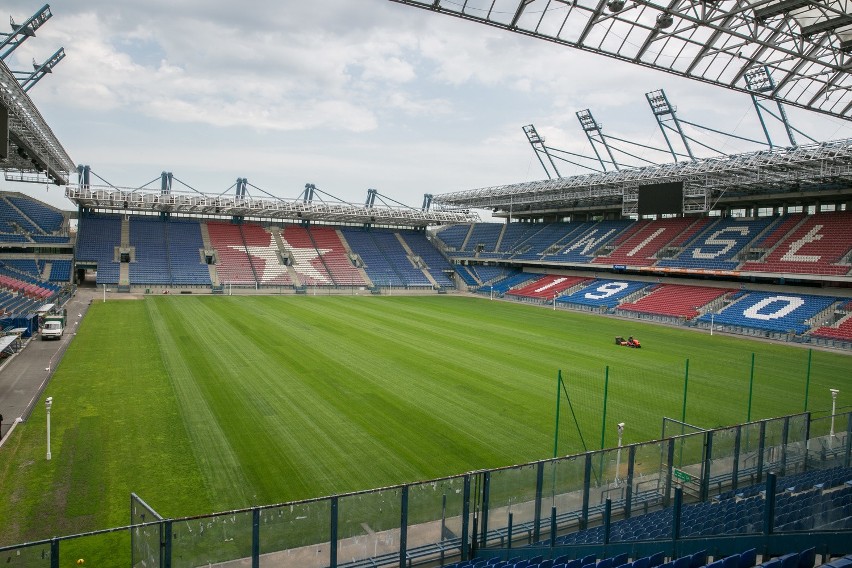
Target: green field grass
{"points": [[200, 404]]}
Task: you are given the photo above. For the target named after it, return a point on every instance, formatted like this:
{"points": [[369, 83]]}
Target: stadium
{"points": [[240, 379]]}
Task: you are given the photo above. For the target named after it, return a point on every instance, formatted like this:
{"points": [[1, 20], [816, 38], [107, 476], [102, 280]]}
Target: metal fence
{"points": [[555, 504]]}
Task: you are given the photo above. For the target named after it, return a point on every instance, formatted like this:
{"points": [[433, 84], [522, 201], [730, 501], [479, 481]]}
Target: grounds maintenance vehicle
{"points": [[53, 326]]}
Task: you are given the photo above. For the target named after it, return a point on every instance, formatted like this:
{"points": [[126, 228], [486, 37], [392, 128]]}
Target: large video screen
{"points": [[661, 198]]}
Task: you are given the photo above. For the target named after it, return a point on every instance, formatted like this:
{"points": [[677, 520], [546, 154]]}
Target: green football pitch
{"points": [[201, 404]]}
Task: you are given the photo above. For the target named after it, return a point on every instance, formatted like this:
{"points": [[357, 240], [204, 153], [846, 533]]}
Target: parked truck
{"points": [[53, 326]]}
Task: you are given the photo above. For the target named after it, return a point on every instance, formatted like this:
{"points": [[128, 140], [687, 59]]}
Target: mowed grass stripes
{"points": [[201, 404]]}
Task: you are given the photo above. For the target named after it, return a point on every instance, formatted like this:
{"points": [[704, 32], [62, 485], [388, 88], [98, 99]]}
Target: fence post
{"points": [[735, 469], [587, 482], [332, 537], [750, 388], [558, 399], [603, 420], [403, 527], [808, 378], [628, 496], [255, 537], [465, 518], [167, 544], [761, 445], [769, 507], [607, 520], [486, 494], [511, 530], [685, 388], [676, 513], [539, 482], [785, 434], [669, 466], [848, 453], [54, 547], [708, 458]]}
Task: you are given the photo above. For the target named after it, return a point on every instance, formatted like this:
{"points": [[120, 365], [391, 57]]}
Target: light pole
{"points": [[492, 292], [47, 404], [834, 393], [712, 317], [618, 454]]}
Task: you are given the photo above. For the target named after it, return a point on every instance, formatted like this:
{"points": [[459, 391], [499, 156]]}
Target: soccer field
{"points": [[200, 404]]}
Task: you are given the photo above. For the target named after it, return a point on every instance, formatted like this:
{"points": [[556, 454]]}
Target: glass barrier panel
{"points": [[296, 534], [211, 539], [110, 549], [145, 545], [650, 469], [827, 441], [435, 515], [749, 455], [688, 466], [772, 446], [722, 460], [563, 489], [26, 556], [512, 490], [368, 525], [797, 438], [609, 481]]}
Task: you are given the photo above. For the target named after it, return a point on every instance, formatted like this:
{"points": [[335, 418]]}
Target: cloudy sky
{"points": [[345, 94]]}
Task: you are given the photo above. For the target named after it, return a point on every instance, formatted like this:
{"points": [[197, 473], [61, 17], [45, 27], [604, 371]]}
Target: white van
{"points": [[52, 329]]}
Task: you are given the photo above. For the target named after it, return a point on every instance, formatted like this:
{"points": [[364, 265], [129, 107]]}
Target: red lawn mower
{"points": [[629, 342]]}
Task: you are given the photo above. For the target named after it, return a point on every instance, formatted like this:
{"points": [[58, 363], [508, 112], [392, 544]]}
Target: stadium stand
{"points": [[640, 248], [785, 224], [841, 330], [45, 218], [489, 274], [151, 264], [307, 260], [818, 245], [675, 300], [386, 261], [551, 237], [185, 244], [603, 293], [378, 267], [98, 237], [466, 275], [437, 266], [547, 287], [264, 256], [483, 237], [454, 236], [584, 247], [335, 257], [508, 282], [717, 247], [779, 312], [825, 494], [60, 269], [233, 265]]}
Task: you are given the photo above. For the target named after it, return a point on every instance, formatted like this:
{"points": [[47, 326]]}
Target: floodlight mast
{"points": [[20, 32], [758, 80], [590, 125], [537, 143], [661, 108]]}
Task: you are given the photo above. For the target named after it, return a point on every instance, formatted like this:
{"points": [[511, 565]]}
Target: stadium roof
{"points": [[817, 171], [35, 154], [804, 46], [274, 209]]}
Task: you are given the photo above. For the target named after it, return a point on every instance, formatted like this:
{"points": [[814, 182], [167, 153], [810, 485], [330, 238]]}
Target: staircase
{"points": [[208, 247], [45, 274], [413, 258], [282, 250]]}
